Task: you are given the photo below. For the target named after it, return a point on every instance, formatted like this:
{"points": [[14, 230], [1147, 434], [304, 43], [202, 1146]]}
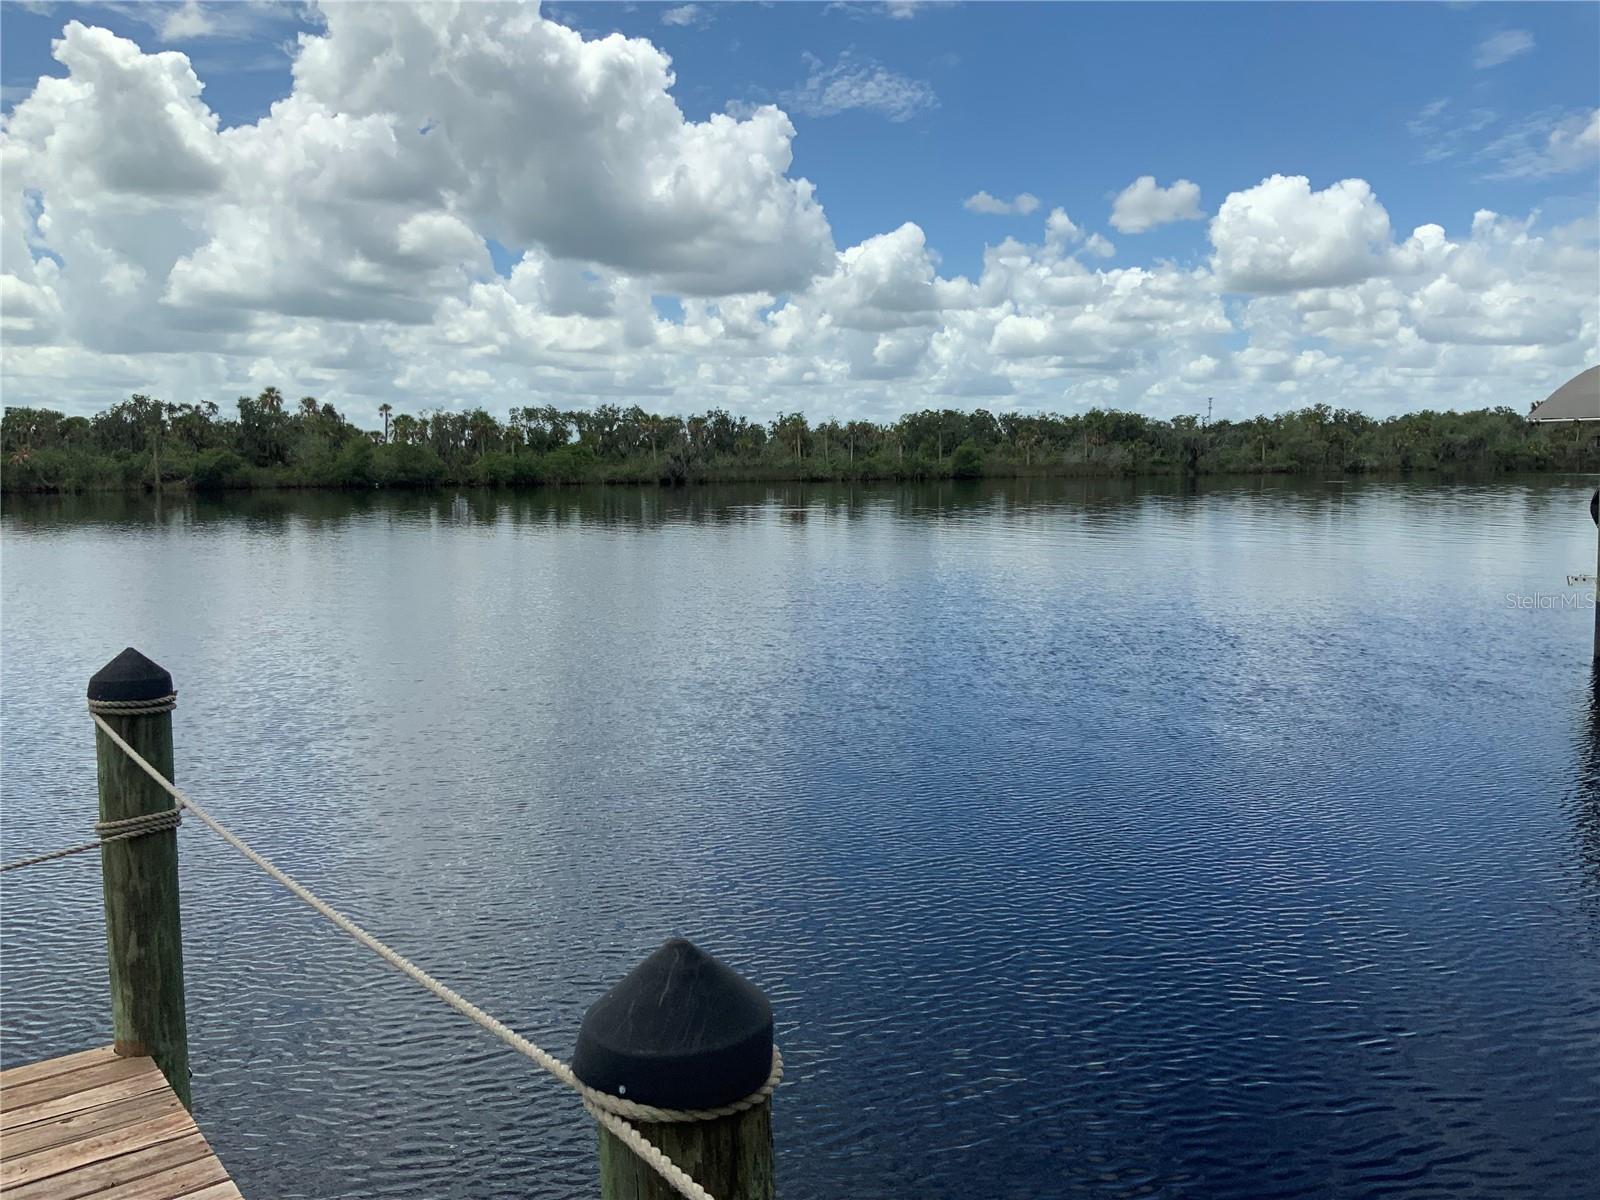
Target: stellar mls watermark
{"points": [[1551, 601]]}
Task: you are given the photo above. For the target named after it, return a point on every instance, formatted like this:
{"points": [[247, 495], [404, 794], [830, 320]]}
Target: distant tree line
{"points": [[146, 443]]}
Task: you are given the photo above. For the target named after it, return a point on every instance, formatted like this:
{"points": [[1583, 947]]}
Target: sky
{"points": [[851, 210]]}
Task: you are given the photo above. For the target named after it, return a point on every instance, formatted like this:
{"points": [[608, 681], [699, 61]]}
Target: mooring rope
{"points": [[130, 827], [109, 831], [613, 1112], [135, 708]]}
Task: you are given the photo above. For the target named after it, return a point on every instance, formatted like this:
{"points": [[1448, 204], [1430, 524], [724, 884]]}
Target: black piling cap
{"points": [[682, 1030], [130, 676]]}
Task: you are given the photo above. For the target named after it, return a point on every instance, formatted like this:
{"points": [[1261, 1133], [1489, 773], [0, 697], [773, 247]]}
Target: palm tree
{"points": [[384, 410], [1261, 426], [481, 428]]}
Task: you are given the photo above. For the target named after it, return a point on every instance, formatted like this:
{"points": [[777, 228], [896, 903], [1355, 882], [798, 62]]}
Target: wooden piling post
{"points": [[683, 1031], [144, 943], [1594, 515]]}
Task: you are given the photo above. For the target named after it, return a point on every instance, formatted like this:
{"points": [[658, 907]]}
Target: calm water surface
{"points": [[1091, 840]]}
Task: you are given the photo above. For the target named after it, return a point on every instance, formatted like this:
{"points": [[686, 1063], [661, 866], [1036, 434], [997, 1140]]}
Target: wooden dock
{"points": [[96, 1126], [93, 1126]]}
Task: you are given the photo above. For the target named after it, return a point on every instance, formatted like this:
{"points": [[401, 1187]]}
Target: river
{"points": [[1090, 838]]}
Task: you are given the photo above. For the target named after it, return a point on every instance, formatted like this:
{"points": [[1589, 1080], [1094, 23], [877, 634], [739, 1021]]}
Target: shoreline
{"points": [[623, 478], [145, 445]]}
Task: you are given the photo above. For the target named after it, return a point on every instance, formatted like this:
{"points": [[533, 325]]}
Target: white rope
{"points": [[135, 708], [613, 1112], [51, 856], [116, 831], [109, 831], [128, 827]]}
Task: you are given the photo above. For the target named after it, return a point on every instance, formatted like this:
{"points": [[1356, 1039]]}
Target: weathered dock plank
{"points": [[94, 1087], [18, 1096], [95, 1126], [17, 1076]]}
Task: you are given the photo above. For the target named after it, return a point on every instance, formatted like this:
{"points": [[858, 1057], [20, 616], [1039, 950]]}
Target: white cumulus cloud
{"points": [[1281, 236], [1143, 205], [1022, 203], [588, 156], [122, 121], [1488, 318]]}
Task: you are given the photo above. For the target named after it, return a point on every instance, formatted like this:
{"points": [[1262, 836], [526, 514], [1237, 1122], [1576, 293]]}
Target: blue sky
{"points": [[1069, 102], [900, 113]]}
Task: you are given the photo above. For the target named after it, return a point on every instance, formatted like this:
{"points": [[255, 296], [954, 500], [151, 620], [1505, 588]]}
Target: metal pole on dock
{"points": [[1576, 402], [683, 1031], [144, 943]]}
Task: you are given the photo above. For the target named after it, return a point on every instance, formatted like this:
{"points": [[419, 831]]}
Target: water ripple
{"points": [[1090, 839]]}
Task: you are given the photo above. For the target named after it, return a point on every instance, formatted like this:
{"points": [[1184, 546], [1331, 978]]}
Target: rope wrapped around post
{"points": [[614, 1113], [132, 827], [135, 708], [109, 831]]}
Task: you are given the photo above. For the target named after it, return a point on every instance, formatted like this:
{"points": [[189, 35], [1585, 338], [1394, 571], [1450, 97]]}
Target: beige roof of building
{"points": [[1578, 399]]}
